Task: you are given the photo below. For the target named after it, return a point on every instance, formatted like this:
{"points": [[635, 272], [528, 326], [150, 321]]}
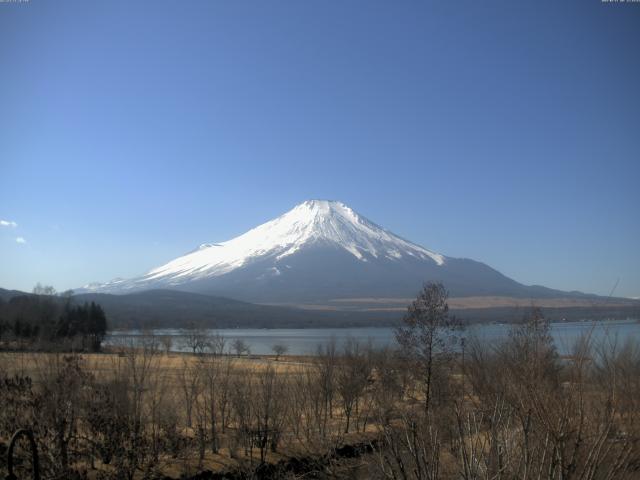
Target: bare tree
{"points": [[428, 331], [326, 361], [240, 347], [268, 410], [352, 377], [62, 381], [167, 343], [214, 379], [391, 380], [189, 382], [216, 344], [279, 349], [409, 449], [196, 340]]}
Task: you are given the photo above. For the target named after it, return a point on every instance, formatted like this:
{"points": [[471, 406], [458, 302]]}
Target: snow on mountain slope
{"points": [[314, 222], [318, 251]]}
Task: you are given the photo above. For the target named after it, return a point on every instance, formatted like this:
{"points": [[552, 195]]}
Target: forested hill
{"points": [[171, 308]]}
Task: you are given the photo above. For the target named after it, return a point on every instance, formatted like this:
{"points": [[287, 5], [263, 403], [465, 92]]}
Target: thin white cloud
{"points": [[20, 240], [7, 223]]}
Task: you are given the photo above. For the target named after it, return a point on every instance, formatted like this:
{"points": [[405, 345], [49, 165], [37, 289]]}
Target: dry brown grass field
{"points": [[513, 410], [176, 384], [107, 363]]}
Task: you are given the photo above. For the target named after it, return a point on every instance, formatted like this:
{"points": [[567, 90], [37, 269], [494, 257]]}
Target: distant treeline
{"points": [[175, 309], [44, 318]]}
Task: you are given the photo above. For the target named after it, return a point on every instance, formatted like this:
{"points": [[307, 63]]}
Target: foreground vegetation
{"points": [[438, 408]]}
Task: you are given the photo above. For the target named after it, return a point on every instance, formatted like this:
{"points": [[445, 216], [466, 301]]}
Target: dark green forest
{"points": [[42, 321]]}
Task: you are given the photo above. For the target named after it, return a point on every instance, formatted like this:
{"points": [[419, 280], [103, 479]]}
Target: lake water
{"points": [[305, 341]]}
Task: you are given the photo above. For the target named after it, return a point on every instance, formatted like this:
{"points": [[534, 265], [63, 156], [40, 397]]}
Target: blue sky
{"points": [[507, 132]]}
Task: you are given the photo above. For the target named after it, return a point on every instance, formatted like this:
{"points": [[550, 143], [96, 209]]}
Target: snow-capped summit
{"points": [[320, 249], [334, 222], [314, 222], [320, 223]]}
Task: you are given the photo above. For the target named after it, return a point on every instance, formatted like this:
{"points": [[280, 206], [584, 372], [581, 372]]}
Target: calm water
{"points": [[305, 341]]}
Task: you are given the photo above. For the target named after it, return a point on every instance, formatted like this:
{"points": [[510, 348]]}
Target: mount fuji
{"points": [[321, 251]]}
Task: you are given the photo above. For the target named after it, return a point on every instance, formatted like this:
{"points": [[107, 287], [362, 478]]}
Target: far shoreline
{"points": [[387, 325]]}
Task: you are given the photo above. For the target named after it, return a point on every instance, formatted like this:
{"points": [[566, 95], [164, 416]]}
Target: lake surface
{"points": [[305, 341]]}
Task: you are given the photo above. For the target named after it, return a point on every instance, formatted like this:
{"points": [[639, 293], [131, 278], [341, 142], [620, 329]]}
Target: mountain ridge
{"points": [[319, 250]]}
